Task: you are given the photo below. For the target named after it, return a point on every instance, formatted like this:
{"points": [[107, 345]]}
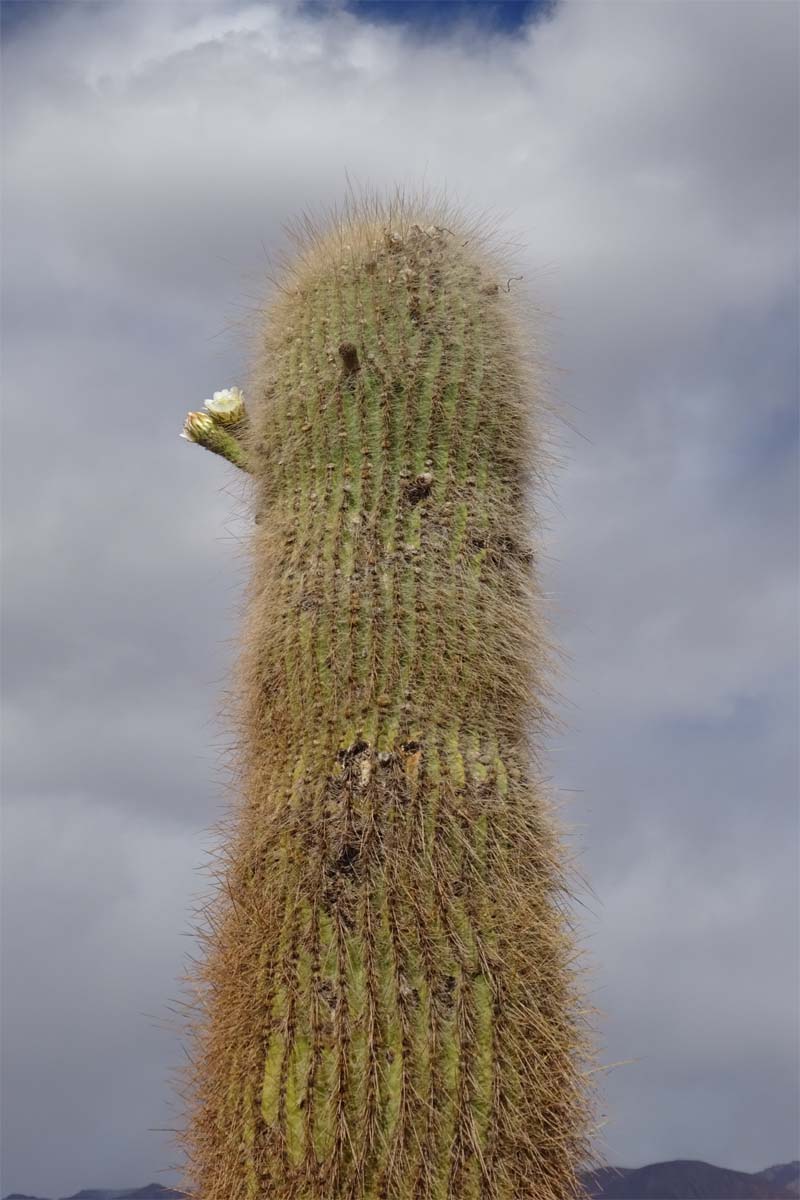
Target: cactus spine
{"points": [[388, 1006]]}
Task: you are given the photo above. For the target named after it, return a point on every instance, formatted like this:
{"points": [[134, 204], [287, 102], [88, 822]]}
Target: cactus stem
{"points": [[388, 1009], [205, 431]]}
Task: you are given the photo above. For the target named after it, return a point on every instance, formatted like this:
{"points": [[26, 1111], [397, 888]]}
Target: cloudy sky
{"points": [[644, 155]]}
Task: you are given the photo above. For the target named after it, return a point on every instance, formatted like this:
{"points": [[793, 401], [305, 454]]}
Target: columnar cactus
{"points": [[388, 1002]]}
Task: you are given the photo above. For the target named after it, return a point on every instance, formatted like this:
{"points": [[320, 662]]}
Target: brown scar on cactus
{"points": [[348, 352], [420, 487]]}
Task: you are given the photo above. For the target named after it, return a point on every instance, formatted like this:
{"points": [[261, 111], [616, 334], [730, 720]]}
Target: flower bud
{"points": [[197, 427]]}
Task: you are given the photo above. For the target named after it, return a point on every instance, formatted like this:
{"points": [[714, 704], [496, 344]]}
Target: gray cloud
{"points": [[646, 156]]}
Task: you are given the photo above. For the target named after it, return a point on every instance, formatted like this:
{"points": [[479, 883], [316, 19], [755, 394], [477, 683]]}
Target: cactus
{"points": [[387, 1002]]}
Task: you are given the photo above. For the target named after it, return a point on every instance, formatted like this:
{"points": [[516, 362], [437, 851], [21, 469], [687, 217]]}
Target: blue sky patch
{"points": [[439, 17]]}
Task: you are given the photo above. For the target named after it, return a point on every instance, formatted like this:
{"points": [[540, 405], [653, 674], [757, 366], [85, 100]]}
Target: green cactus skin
{"points": [[388, 1008]]}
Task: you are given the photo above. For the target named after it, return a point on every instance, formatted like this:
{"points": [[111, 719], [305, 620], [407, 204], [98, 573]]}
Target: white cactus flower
{"points": [[227, 406], [197, 426]]}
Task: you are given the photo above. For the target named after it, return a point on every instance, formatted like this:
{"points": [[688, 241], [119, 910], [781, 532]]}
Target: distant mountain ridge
{"points": [[691, 1179], [151, 1191], [786, 1175], [680, 1179]]}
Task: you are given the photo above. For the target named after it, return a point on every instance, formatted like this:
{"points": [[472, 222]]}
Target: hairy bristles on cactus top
{"points": [[388, 1006]]}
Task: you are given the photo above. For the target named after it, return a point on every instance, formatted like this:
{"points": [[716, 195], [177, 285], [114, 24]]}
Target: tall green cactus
{"points": [[388, 1008]]}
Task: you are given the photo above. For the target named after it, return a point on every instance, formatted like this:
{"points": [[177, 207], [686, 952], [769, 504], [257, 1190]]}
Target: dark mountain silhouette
{"points": [[681, 1179], [786, 1175], [150, 1191], [689, 1179]]}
